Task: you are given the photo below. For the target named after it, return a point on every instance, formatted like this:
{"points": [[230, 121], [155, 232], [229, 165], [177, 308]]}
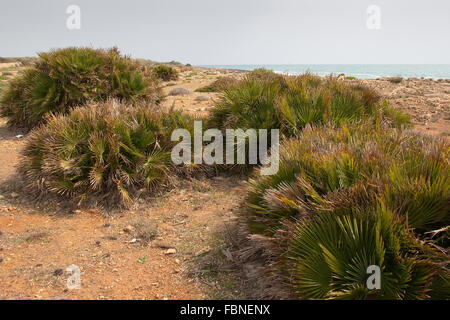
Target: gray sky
{"points": [[235, 31]]}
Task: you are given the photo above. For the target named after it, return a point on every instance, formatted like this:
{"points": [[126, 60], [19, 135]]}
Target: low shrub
{"points": [[27, 61], [165, 73], [266, 100], [395, 79], [359, 163], [202, 98], [219, 85], [346, 197], [263, 74], [65, 78], [292, 102], [329, 258], [102, 152], [248, 105], [179, 91]]}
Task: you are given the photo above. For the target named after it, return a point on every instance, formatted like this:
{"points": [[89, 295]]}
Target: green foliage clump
{"points": [[330, 256], [359, 163], [292, 102], [358, 194], [165, 73], [263, 74], [103, 151], [249, 104], [395, 79], [62, 79], [219, 85]]}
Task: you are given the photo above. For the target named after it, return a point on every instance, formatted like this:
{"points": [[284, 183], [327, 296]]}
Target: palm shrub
{"points": [[357, 194], [266, 75], [419, 189], [248, 105], [65, 78], [165, 73], [292, 102], [329, 257], [104, 151], [219, 85], [330, 167]]}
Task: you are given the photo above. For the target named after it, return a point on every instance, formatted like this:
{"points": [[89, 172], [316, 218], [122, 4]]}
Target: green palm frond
{"points": [[70, 77], [104, 150]]}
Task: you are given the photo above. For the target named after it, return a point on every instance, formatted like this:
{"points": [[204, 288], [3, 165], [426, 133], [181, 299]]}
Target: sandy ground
{"points": [[39, 242], [426, 100]]}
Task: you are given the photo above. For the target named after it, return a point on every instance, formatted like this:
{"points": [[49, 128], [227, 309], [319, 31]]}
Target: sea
{"points": [[361, 71]]}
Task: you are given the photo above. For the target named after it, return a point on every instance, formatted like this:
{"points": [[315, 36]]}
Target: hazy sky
{"points": [[235, 31]]}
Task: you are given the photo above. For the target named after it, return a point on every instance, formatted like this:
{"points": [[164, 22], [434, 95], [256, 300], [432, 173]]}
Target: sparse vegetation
{"points": [[165, 73], [266, 75], [354, 187], [6, 60], [66, 78], [219, 85], [179, 91], [329, 257], [25, 61], [395, 79]]}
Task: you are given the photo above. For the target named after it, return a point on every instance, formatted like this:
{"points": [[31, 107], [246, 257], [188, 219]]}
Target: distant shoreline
{"points": [[360, 71]]}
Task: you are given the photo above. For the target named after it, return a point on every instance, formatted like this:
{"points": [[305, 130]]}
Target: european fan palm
{"points": [[66, 78], [264, 100], [165, 73], [331, 254], [359, 163], [359, 194], [103, 151], [419, 189], [249, 105]]}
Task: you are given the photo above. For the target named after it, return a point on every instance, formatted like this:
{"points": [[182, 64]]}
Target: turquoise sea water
{"points": [[362, 71]]}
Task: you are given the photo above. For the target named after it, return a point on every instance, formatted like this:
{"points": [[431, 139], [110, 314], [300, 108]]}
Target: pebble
{"points": [[170, 251], [128, 229]]}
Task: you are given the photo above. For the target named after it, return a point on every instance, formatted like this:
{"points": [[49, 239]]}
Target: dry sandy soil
{"points": [[426, 100], [152, 250]]}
